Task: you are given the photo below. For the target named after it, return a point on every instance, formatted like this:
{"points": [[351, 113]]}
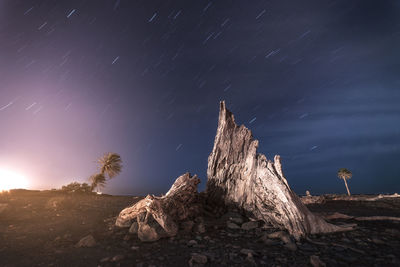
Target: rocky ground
{"points": [[57, 229]]}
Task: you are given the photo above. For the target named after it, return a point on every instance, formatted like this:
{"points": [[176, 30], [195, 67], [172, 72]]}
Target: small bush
{"points": [[76, 187]]}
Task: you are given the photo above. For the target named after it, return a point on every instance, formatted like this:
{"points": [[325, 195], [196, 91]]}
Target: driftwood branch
{"points": [[160, 216], [342, 216]]}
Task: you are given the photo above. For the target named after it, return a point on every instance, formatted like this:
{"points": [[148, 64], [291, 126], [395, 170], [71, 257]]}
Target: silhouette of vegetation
{"points": [[97, 180], [76, 187], [110, 165], [345, 174]]}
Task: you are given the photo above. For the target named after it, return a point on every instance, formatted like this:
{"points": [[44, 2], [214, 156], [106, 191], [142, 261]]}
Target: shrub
{"points": [[76, 187]]}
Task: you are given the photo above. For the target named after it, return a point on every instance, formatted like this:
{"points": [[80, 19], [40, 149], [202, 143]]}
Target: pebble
{"points": [[232, 225], [237, 220], [316, 262], [377, 241], [250, 225], [291, 246], [281, 235], [246, 251], [117, 258], [87, 241], [134, 228], [250, 259], [197, 258], [105, 259], [200, 228], [192, 243]]}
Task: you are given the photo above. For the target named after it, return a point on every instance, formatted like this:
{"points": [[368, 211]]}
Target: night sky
{"points": [[316, 81]]}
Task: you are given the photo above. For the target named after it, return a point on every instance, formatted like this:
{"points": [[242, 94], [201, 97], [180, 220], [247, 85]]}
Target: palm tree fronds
{"points": [[344, 173], [110, 164]]}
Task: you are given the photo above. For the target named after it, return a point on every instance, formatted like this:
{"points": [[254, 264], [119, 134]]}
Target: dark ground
{"points": [[42, 228]]}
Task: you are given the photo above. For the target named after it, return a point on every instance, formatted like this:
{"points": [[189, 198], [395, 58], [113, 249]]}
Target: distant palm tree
{"points": [[345, 174], [110, 165]]}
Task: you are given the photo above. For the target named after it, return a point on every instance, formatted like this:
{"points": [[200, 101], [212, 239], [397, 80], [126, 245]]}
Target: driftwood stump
{"points": [[238, 176], [159, 217]]}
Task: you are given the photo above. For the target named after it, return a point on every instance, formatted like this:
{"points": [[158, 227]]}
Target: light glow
{"points": [[11, 180]]}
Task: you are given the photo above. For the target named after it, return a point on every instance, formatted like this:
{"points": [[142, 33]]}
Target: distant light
{"points": [[10, 180]]}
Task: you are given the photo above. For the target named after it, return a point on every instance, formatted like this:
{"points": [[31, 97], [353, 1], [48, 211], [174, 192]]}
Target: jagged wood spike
{"points": [[239, 176]]}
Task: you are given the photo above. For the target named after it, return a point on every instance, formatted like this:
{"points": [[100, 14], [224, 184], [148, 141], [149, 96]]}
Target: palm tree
{"points": [[345, 174], [110, 165], [97, 180]]}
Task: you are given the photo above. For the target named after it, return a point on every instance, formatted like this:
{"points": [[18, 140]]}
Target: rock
{"points": [[197, 259], [117, 258], [246, 251], [237, 220], [344, 239], [134, 248], [281, 235], [232, 255], [148, 233], [187, 226], [199, 219], [268, 242], [377, 241], [316, 262], [192, 243], [249, 225], [393, 232], [134, 228], [233, 216], [87, 241], [240, 177], [250, 259], [232, 225], [210, 256], [67, 236], [105, 259], [291, 246], [200, 228]]}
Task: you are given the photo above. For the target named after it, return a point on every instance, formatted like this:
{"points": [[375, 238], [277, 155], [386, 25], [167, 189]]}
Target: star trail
{"points": [[316, 81]]}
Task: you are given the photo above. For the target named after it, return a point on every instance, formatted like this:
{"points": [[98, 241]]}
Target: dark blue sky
{"points": [[316, 81]]}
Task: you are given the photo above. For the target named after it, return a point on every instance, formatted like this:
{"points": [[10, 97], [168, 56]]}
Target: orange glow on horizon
{"points": [[12, 180]]}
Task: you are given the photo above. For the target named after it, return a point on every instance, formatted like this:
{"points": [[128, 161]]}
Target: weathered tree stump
{"points": [[238, 176], [159, 217]]}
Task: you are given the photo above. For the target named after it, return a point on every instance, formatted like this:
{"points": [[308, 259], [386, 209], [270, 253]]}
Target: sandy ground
{"points": [[43, 228]]}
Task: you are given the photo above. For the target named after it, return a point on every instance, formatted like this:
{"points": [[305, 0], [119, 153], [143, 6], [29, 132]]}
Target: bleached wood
{"points": [[238, 176], [159, 216]]}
